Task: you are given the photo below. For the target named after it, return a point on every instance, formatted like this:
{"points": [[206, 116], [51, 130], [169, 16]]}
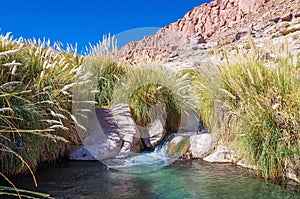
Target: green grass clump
{"points": [[267, 103], [105, 74], [258, 108], [144, 87], [206, 82], [35, 103]]}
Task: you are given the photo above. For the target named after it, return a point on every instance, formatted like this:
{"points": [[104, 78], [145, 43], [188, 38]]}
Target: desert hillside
{"points": [[213, 22]]}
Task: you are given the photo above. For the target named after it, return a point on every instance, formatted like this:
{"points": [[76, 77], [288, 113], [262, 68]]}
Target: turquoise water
{"points": [[182, 179]]}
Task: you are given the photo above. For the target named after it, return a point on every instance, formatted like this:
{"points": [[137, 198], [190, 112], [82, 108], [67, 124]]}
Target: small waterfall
{"points": [[162, 148], [146, 161]]}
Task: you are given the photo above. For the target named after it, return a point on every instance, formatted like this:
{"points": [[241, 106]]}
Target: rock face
{"points": [[209, 22], [164, 42], [216, 17], [111, 133]]}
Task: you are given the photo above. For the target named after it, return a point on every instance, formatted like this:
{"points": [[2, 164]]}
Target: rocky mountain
{"points": [[212, 22]]}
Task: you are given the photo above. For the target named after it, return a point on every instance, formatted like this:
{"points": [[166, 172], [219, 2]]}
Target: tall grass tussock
{"points": [[255, 98], [35, 103]]}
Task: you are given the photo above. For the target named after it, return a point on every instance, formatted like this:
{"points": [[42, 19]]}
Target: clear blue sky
{"points": [[87, 20]]}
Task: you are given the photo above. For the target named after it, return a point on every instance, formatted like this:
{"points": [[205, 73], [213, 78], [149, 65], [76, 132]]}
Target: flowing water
{"points": [[144, 162]]}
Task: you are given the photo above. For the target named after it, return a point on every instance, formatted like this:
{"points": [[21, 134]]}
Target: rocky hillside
{"points": [[212, 22]]}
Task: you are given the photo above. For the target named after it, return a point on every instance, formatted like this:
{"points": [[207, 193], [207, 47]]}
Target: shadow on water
{"points": [[182, 179]]}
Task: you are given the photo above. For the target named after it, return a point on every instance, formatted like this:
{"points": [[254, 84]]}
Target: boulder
{"points": [[152, 134], [287, 17], [126, 129], [179, 146], [291, 174], [244, 163], [200, 145], [189, 122], [197, 39], [290, 29], [111, 132], [192, 146]]}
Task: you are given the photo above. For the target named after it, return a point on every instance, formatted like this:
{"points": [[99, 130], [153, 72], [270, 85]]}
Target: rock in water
{"points": [[178, 146], [200, 145], [152, 135], [191, 147], [111, 133]]}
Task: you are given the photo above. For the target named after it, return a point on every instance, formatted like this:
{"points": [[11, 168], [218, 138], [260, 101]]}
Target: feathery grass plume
{"points": [[35, 87], [206, 83], [260, 107], [105, 73], [104, 70]]}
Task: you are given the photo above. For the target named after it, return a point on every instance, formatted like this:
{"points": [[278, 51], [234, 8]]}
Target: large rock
{"points": [[111, 133], [291, 174], [153, 134], [178, 146], [189, 122], [126, 129], [191, 146], [200, 145]]}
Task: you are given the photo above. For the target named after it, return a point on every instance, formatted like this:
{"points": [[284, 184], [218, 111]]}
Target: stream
{"points": [[181, 179], [153, 175]]}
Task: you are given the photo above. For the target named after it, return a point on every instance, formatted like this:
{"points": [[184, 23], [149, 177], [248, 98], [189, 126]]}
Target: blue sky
{"points": [[84, 21]]}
